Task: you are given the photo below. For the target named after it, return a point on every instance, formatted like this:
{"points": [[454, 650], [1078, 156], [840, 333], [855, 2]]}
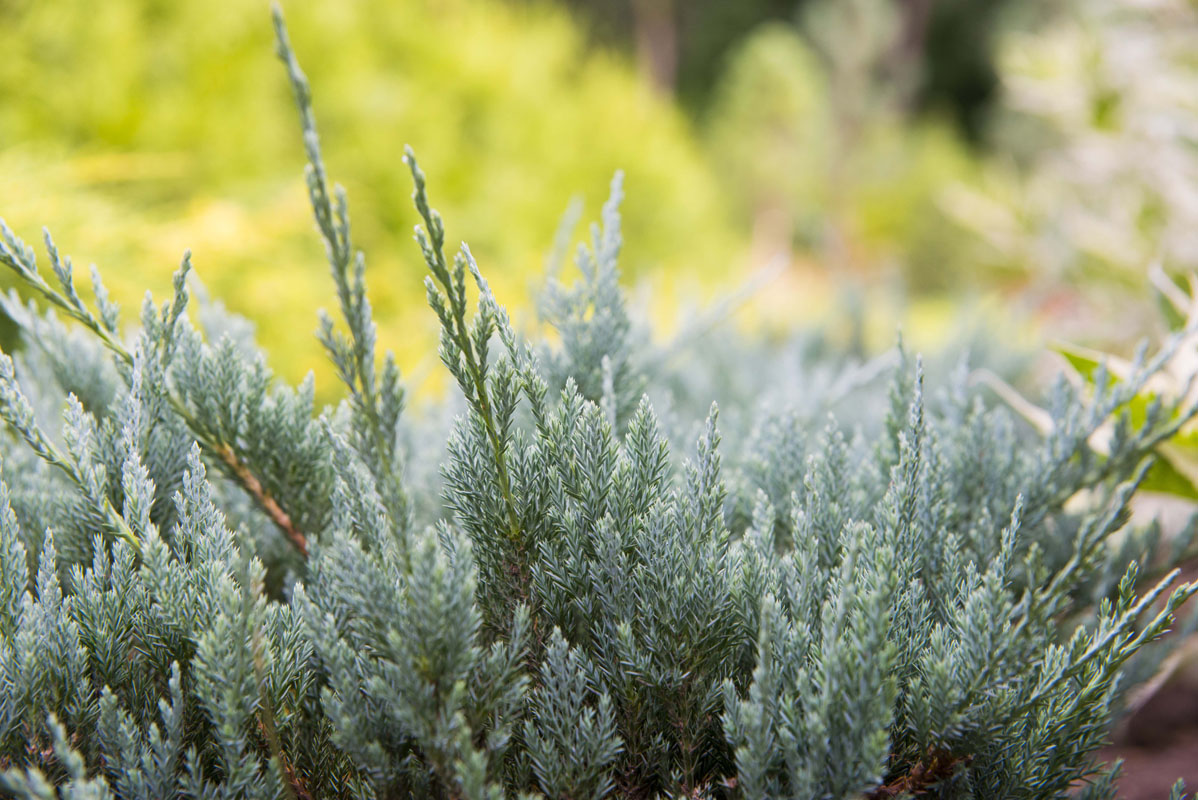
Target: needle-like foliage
{"points": [[210, 589]]}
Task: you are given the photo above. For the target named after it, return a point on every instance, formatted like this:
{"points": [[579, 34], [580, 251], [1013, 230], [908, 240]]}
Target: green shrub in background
{"points": [[143, 127], [825, 159], [209, 590]]}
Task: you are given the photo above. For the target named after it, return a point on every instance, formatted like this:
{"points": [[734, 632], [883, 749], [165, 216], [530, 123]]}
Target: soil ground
{"points": [[1158, 745]]}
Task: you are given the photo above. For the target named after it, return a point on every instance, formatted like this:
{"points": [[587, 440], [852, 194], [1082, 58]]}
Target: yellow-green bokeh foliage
{"points": [[137, 128]]}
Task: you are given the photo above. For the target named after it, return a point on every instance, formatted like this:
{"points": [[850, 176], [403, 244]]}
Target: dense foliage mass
{"points": [[208, 589]]}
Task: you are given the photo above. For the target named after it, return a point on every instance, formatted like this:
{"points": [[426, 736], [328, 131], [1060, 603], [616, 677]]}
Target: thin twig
{"points": [[264, 498], [268, 729]]}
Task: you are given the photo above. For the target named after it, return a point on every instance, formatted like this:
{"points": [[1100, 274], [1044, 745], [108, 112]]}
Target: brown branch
{"points": [[266, 723], [940, 764], [264, 498], [298, 789]]}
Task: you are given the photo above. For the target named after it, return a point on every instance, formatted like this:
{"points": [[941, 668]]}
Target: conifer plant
{"points": [[210, 588]]}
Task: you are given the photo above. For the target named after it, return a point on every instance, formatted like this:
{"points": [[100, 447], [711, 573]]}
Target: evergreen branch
{"points": [[268, 503], [296, 790], [376, 408], [19, 258], [17, 412], [1121, 640], [463, 350]]}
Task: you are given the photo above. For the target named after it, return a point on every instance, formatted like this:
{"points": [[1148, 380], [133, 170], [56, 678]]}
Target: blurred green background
{"points": [[919, 156]]}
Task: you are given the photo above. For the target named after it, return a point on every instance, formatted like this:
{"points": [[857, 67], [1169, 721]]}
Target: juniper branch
{"points": [[468, 363], [16, 411], [18, 257], [376, 408]]}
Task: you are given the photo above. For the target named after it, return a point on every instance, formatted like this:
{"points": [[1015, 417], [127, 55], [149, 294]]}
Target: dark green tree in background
{"points": [[683, 46]]}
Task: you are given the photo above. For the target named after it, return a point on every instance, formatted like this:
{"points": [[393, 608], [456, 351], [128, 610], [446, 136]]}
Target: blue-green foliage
{"points": [[208, 589]]}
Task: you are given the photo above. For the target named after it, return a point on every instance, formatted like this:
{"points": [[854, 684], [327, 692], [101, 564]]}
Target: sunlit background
{"points": [[872, 163]]}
